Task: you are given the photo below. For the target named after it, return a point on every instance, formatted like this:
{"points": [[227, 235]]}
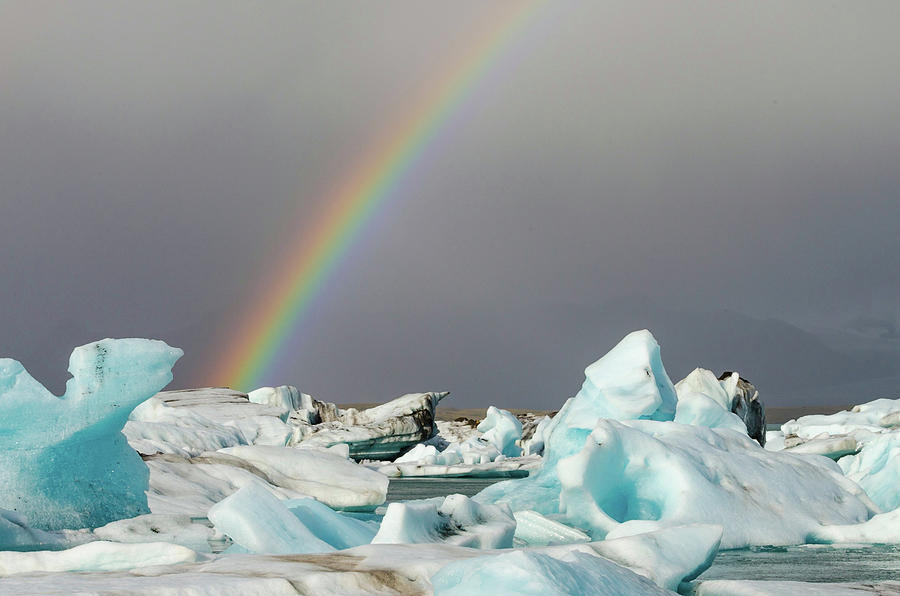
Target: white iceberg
{"points": [[455, 519], [501, 429], [96, 556], [257, 521], [677, 474], [704, 401]]}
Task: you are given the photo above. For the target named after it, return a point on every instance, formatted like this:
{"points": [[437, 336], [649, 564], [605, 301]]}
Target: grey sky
{"points": [[723, 173]]}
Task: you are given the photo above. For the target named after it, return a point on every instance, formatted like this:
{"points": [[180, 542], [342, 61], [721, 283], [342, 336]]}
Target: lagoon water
{"points": [[807, 563]]}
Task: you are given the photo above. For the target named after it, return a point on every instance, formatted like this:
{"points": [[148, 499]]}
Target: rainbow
{"points": [[308, 262]]}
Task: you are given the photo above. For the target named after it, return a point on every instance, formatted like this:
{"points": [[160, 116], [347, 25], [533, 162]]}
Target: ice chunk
{"points": [[155, 427], [677, 474], [703, 401], [64, 462], [15, 533], [502, 430], [96, 556], [155, 527], [867, 417], [533, 529], [530, 573], [535, 443], [256, 520], [745, 403], [881, 529], [877, 470], [454, 520], [382, 432], [668, 556], [337, 529], [330, 478], [191, 422], [285, 399], [628, 382], [834, 447]]}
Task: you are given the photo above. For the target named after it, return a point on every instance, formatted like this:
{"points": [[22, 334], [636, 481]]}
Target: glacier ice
{"points": [[531, 573], [876, 468], [883, 528], [337, 529], [668, 555], [191, 486], [15, 533], [190, 422], [382, 432], [96, 556], [745, 403], [455, 519], [630, 381], [159, 527], [534, 445], [502, 430], [677, 474], [704, 401], [256, 520], [534, 529], [330, 478], [64, 462]]}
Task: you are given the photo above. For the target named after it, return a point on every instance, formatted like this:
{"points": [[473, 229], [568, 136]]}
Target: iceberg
{"points": [[190, 422], [15, 533], [502, 430], [704, 401], [863, 422], [337, 529], [883, 528], [628, 382], [745, 403], [96, 556], [455, 519], [637, 471], [534, 529], [64, 462], [156, 527], [257, 521], [383, 432], [191, 486], [877, 470]]}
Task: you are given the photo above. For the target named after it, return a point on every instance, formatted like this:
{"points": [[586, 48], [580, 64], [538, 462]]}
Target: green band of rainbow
{"points": [[307, 264]]}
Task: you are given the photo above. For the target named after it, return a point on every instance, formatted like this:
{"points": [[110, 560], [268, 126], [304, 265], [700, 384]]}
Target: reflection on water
{"points": [[809, 563], [404, 489]]}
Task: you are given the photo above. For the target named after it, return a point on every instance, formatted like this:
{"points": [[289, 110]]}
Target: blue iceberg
{"points": [[64, 462]]}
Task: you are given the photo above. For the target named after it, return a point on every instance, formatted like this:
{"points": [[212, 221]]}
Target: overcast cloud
{"points": [[723, 173]]}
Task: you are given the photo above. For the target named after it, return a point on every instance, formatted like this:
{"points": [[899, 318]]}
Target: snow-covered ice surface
{"points": [[64, 462], [376, 568], [539, 574]]}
